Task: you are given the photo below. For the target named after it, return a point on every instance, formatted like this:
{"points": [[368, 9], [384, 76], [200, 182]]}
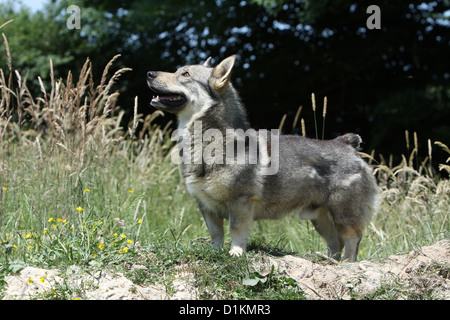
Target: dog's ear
{"points": [[207, 63], [222, 72]]}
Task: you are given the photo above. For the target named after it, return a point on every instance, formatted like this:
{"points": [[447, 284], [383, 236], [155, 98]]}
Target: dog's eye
{"points": [[186, 74]]}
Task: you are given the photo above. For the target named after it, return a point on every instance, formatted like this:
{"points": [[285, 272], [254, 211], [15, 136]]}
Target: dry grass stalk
{"points": [[313, 101], [294, 124], [280, 127], [6, 23]]}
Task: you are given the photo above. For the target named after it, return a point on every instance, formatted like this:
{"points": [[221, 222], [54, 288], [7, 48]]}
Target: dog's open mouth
{"points": [[170, 100]]}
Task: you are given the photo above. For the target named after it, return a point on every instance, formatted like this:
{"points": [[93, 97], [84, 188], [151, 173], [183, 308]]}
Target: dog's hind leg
{"points": [[325, 227], [215, 227], [349, 221], [352, 237]]}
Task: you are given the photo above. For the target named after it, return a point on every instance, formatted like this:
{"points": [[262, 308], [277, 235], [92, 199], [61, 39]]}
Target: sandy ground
{"points": [[425, 271]]}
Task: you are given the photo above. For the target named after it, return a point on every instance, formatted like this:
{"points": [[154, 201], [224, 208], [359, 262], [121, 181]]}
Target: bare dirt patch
{"points": [[422, 273]]}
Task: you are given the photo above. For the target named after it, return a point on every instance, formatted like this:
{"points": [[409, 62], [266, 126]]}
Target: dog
{"points": [[325, 181]]}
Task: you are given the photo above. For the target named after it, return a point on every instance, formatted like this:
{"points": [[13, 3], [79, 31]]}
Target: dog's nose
{"points": [[151, 75]]}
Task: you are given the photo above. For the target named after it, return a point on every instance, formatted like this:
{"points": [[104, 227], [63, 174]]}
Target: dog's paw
{"points": [[236, 252]]}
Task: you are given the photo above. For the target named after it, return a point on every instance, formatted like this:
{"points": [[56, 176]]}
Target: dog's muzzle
{"points": [[165, 99]]}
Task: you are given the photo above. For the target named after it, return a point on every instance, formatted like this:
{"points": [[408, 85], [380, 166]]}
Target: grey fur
{"points": [[324, 181]]}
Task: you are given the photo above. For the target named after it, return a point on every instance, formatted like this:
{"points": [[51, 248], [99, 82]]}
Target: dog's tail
{"points": [[351, 139]]}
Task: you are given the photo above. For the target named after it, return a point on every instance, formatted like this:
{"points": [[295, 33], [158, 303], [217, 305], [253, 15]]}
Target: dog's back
{"points": [[315, 174]]}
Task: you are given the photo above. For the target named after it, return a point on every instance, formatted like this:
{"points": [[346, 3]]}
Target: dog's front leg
{"points": [[215, 227], [241, 218]]}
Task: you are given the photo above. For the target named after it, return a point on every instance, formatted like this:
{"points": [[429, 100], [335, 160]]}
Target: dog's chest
{"points": [[208, 188], [213, 191]]}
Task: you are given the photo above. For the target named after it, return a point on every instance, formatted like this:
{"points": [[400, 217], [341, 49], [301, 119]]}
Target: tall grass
{"points": [[72, 179]]}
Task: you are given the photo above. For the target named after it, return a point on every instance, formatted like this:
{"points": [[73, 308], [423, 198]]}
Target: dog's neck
{"points": [[227, 112]]}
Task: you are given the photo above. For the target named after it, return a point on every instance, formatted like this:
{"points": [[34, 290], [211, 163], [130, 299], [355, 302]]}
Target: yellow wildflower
{"points": [[80, 209], [28, 236], [45, 231], [130, 241], [50, 219], [5, 189], [140, 221], [123, 236], [101, 246], [54, 226], [87, 190], [130, 191], [30, 280], [42, 279]]}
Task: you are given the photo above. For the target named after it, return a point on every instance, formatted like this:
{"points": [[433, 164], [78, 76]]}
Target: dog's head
{"points": [[190, 88]]}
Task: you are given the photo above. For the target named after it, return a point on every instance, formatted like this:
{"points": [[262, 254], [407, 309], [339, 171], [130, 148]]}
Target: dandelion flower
{"points": [[29, 247], [140, 221], [50, 219], [87, 190], [59, 220], [123, 236], [42, 279], [125, 250], [101, 246], [130, 191], [28, 236], [54, 226], [64, 221], [80, 209], [130, 241]]}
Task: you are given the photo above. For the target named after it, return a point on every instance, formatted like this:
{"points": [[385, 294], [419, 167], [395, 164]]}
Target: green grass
{"points": [[78, 189]]}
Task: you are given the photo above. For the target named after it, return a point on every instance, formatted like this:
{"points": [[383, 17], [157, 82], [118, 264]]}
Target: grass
{"points": [[76, 188]]}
